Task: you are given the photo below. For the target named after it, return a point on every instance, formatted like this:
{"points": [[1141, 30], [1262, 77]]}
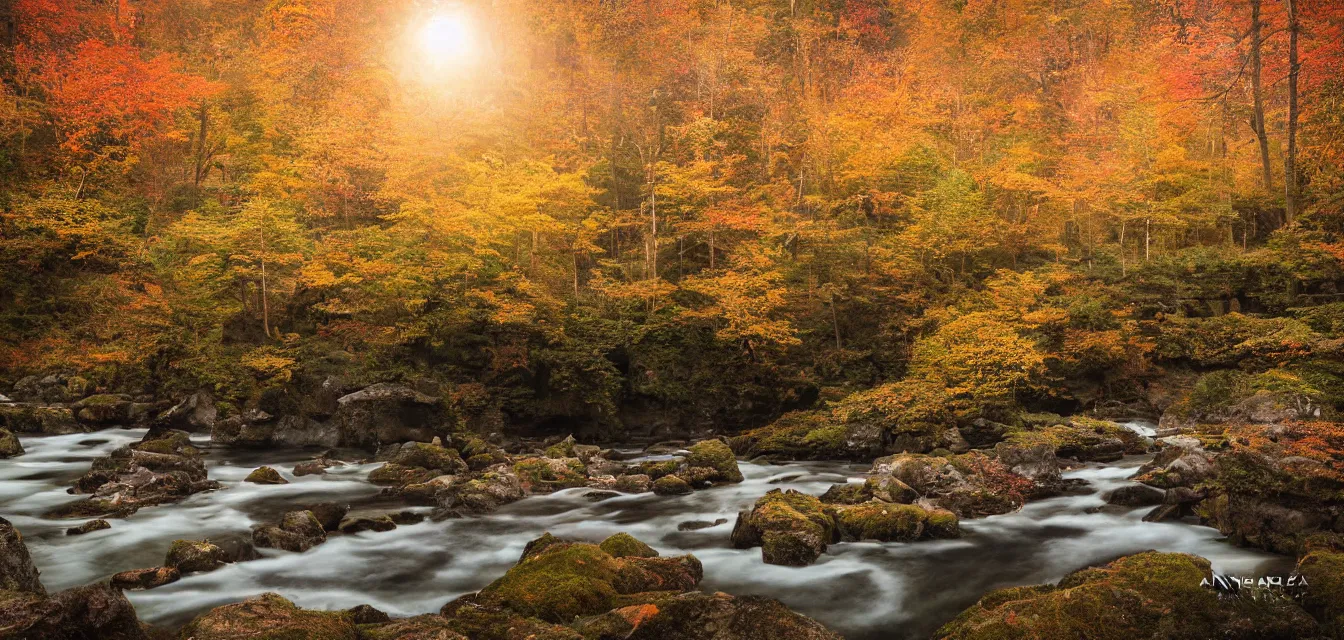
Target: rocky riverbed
{"points": [[859, 589]]}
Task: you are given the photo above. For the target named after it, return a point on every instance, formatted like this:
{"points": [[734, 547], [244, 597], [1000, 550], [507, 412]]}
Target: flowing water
{"points": [[862, 590]]}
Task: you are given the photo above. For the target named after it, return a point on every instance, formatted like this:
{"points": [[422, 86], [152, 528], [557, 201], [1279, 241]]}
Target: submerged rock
{"points": [[1148, 595], [270, 617]]}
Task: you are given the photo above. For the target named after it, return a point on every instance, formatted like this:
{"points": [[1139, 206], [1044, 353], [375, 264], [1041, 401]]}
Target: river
{"points": [[865, 591]]}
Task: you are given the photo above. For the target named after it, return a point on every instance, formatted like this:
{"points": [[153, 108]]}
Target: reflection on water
{"points": [[863, 590]]}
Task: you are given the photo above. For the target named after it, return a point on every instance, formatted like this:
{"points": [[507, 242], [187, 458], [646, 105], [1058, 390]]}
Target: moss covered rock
{"points": [[702, 616], [545, 475], [297, 531], [9, 445], [887, 522], [39, 419], [1082, 439], [270, 617], [1149, 595], [969, 485], [265, 475], [624, 545], [146, 578], [88, 527], [672, 485], [1323, 570], [484, 618], [423, 627], [555, 580], [716, 455], [633, 483], [93, 612], [192, 556], [792, 528]]}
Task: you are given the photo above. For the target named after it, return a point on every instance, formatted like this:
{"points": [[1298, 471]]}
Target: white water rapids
{"points": [[862, 590]]}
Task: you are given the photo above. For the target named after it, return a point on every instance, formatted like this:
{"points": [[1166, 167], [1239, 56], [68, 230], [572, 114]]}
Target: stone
{"points": [[671, 485], [315, 468], [297, 531], [35, 419], [265, 475], [624, 545], [714, 454], [633, 483], [704, 616], [10, 446], [103, 409], [145, 578], [792, 528], [386, 413], [360, 524], [17, 572], [194, 556], [195, 413], [93, 612], [1135, 495], [329, 514], [696, 525], [270, 617], [366, 614], [88, 527]]}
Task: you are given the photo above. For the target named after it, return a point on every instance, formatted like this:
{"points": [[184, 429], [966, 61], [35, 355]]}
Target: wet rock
{"points": [[145, 578], [969, 485], [485, 493], [1148, 595], [39, 419], [561, 580], [792, 528], [103, 409], [624, 545], [366, 614], [265, 475], [359, 524], [546, 475], [1136, 495], [270, 616], [17, 572], [329, 514], [416, 463], [88, 527], [634, 483], [193, 556], [1163, 513], [315, 468], [1083, 439], [598, 496], [1323, 570], [162, 467], [485, 618], [882, 487], [1037, 462], [696, 525], [672, 485], [703, 616], [406, 517], [715, 455], [10, 446], [886, 522], [94, 612], [298, 531]]}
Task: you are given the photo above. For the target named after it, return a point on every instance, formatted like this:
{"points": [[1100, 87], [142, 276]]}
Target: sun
{"points": [[448, 38]]}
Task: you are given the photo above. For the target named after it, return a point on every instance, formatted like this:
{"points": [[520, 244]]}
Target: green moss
{"points": [[883, 522], [1147, 595], [655, 469], [270, 617], [671, 486], [562, 449], [624, 545], [395, 474], [190, 556], [429, 456], [9, 445], [558, 583], [716, 455], [1324, 594], [551, 473], [169, 443], [942, 524], [422, 627], [267, 475]]}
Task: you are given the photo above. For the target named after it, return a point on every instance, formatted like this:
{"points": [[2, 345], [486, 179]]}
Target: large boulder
{"points": [[886, 522], [193, 556], [195, 413], [970, 485], [385, 413], [1149, 595], [792, 528], [94, 612], [556, 581], [39, 419], [104, 409], [715, 455], [270, 617], [1323, 570], [1082, 439], [422, 627], [17, 572]]}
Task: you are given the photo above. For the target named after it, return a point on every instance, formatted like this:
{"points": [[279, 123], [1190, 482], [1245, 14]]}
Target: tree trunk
{"points": [[201, 133], [265, 304], [1290, 161], [1122, 249], [1257, 93], [835, 323]]}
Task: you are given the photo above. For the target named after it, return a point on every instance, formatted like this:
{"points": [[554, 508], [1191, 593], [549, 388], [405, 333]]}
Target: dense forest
{"points": [[807, 229]]}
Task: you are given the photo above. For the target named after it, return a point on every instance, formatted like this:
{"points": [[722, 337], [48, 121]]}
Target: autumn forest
{"points": [[844, 271]]}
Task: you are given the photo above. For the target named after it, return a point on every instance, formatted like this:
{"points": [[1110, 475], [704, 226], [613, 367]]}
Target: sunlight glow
{"points": [[449, 38]]}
